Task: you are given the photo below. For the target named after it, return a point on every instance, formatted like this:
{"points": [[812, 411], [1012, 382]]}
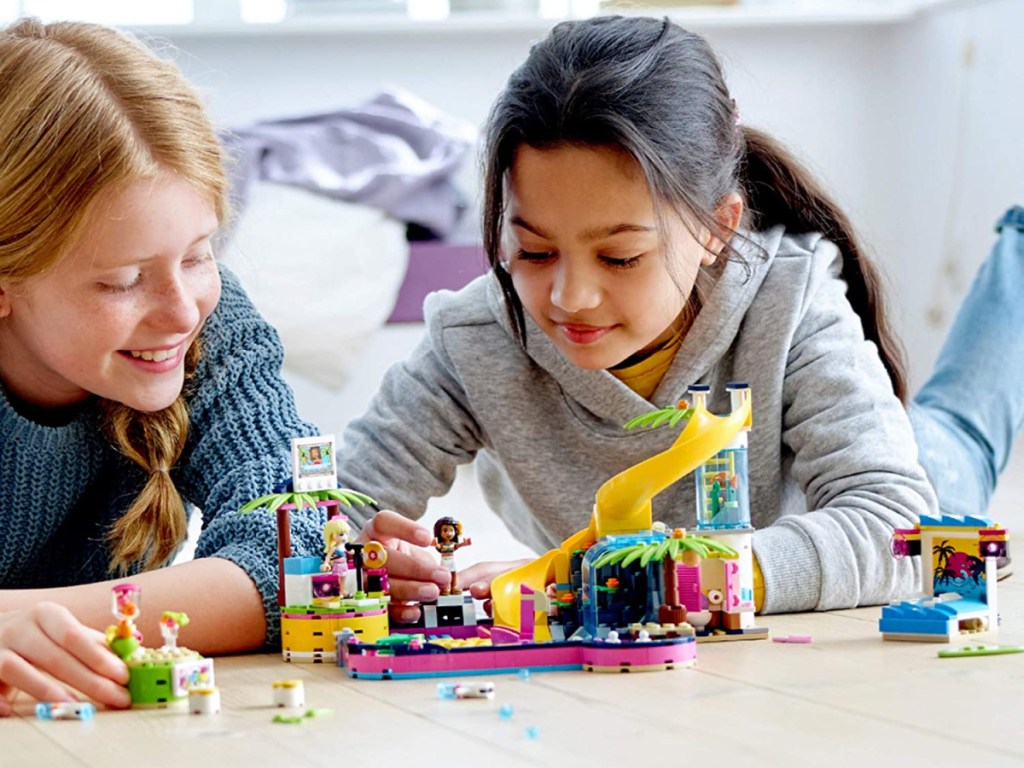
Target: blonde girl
{"points": [[135, 376]]}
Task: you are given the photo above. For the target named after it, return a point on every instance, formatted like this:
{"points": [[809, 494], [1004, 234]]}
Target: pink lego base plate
{"points": [[431, 660]]}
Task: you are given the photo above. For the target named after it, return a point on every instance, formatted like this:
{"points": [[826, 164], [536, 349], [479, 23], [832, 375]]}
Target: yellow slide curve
{"points": [[623, 505]]}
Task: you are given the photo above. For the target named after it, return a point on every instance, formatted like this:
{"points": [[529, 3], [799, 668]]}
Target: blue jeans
{"points": [[967, 415]]}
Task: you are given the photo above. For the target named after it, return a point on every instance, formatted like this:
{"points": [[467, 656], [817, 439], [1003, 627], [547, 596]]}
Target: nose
{"points": [[176, 308], [575, 287]]}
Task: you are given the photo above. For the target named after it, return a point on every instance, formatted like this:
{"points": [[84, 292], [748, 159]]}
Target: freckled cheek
{"points": [[208, 299]]}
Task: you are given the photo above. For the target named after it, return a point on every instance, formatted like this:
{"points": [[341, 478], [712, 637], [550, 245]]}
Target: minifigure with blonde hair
{"points": [[336, 536]]}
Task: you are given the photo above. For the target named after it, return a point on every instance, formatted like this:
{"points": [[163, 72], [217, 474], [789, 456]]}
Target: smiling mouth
{"points": [[584, 334], [155, 355]]}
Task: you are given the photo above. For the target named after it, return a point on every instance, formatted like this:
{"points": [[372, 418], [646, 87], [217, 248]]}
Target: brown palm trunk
{"points": [[284, 546], [672, 611]]}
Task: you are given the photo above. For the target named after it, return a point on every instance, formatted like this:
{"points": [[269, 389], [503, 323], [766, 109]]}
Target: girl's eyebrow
{"points": [[588, 235], [598, 233], [519, 221], [205, 236]]}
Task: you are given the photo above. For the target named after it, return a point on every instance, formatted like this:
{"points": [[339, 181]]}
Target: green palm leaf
{"points": [[715, 546], [634, 554], [350, 498], [307, 500], [680, 415], [663, 549], [610, 558], [270, 502], [647, 554], [671, 415], [262, 501]]}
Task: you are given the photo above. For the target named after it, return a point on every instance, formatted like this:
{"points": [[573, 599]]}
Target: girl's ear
{"points": [[728, 216], [5, 304]]}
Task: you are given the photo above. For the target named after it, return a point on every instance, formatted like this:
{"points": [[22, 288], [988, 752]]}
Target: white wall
{"points": [[915, 126]]}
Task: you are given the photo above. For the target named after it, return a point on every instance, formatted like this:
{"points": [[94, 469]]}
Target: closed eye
{"points": [[621, 263], [199, 258], [534, 256], [121, 287]]}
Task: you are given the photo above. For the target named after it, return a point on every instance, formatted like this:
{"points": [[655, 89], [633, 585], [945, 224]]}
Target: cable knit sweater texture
{"points": [[63, 486]]}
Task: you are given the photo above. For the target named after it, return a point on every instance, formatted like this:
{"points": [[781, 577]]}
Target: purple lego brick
{"points": [[434, 265]]}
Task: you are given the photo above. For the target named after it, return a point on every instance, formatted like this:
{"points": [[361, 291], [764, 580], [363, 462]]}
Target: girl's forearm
{"points": [[224, 607]]}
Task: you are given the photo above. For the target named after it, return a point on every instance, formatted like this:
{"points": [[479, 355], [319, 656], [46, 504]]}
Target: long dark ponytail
{"points": [[780, 190], [657, 92]]}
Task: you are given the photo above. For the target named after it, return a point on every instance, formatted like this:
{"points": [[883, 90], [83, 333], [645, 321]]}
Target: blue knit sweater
{"points": [[62, 486]]}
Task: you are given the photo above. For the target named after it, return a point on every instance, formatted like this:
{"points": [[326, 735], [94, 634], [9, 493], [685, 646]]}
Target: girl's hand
{"points": [[480, 576], [413, 572], [44, 651]]}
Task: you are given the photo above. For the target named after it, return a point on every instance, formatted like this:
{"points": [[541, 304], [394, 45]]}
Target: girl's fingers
{"points": [[69, 670], [18, 672], [49, 640], [480, 590], [480, 575], [418, 591], [387, 525], [89, 647], [415, 566], [404, 612]]}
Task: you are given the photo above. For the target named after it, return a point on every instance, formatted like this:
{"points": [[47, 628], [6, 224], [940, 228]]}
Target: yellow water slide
{"points": [[623, 505]]}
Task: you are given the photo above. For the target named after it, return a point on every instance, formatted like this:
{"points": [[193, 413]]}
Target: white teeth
{"points": [[155, 356]]}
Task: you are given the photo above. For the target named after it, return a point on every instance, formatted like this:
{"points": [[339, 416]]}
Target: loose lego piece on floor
{"points": [[309, 714], [204, 701], [980, 650], [791, 639], [289, 693], [65, 710], [484, 690], [506, 712]]}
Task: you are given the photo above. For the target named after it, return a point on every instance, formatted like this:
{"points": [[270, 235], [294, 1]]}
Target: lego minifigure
{"points": [[447, 531], [336, 532]]}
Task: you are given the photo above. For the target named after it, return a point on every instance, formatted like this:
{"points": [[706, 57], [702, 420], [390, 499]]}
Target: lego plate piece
{"points": [[309, 714], [65, 710], [980, 650], [460, 690]]}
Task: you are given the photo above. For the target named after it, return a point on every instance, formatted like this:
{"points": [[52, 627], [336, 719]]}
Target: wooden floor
{"points": [[848, 698]]}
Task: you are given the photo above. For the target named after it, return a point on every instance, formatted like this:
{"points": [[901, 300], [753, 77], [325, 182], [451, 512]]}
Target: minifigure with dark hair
{"points": [[447, 531]]}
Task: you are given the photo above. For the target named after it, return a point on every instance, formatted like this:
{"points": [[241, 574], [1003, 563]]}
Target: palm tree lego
{"points": [[679, 547], [283, 503]]}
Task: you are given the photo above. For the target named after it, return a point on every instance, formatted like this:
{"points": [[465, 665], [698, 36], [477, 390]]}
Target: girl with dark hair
{"points": [[642, 239]]}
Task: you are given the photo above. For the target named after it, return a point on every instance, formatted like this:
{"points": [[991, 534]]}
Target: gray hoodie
{"points": [[833, 462]]}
